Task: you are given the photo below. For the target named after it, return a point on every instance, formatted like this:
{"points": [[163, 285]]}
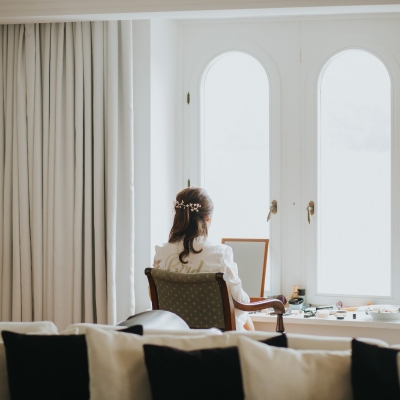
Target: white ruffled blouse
{"points": [[213, 258]]}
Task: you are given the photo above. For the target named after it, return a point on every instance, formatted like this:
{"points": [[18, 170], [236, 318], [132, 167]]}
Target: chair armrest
{"points": [[277, 305], [280, 297], [254, 299]]}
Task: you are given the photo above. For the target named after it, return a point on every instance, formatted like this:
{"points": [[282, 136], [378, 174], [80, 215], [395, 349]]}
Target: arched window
{"points": [[235, 146], [354, 176]]}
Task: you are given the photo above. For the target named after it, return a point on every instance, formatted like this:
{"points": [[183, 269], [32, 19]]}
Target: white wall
{"points": [[142, 165], [155, 72], [164, 61]]}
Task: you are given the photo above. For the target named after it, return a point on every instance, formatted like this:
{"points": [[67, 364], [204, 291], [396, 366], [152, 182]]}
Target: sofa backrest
{"points": [[306, 342], [81, 328], [45, 327]]}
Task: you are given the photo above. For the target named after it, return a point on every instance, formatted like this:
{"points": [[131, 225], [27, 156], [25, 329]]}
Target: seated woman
{"points": [[190, 251]]}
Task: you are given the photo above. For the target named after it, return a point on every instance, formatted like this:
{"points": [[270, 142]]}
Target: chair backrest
{"points": [[201, 299]]}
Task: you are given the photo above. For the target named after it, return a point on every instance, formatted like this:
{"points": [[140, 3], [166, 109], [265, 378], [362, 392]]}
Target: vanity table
{"points": [[362, 326]]}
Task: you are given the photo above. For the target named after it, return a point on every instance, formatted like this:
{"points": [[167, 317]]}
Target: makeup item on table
{"points": [[295, 292], [340, 306], [340, 313], [309, 312], [302, 294], [296, 303], [322, 313], [324, 308]]}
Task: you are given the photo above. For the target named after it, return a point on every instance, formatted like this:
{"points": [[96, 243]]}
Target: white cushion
{"points": [[116, 361], [234, 336], [42, 327], [190, 332], [276, 373], [82, 327], [69, 331], [306, 342], [310, 342]]}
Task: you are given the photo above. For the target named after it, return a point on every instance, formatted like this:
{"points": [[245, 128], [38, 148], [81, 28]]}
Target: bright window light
{"points": [[354, 191], [236, 146]]}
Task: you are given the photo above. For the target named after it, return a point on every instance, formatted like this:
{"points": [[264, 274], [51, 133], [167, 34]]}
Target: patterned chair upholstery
{"points": [[202, 299]]}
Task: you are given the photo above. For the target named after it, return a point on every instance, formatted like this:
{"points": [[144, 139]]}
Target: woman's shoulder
{"points": [[206, 246], [165, 247], [216, 247]]}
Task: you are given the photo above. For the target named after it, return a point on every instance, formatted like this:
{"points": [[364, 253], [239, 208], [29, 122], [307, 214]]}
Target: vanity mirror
{"points": [[251, 257]]}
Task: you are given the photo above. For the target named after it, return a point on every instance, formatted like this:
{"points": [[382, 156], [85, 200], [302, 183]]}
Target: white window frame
{"points": [[310, 163], [293, 64], [194, 78]]}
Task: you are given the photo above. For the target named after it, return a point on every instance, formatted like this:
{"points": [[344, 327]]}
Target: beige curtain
{"points": [[66, 172]]}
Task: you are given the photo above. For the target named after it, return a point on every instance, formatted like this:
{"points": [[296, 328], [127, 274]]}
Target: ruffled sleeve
{"points": [[232, 277], [157, 257], [235, 285]]}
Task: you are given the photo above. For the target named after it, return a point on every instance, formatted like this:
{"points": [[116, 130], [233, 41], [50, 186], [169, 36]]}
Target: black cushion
{"points": [[277, 341], [48, 366], [136, 329], [197, 375], [374, 372]]}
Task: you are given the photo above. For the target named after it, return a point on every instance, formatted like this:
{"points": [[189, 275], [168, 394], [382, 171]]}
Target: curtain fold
{"points": [[66, 172]]}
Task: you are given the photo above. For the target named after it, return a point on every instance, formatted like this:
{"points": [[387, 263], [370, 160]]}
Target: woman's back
{"points": [[212, 258], [189, 251]]}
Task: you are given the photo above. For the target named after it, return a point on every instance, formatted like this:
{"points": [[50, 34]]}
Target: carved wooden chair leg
{"points": [[279, 323]]}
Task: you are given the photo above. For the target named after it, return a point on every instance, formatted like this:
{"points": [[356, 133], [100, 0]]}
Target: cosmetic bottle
{"points": [[302, 295], [295, 292]]}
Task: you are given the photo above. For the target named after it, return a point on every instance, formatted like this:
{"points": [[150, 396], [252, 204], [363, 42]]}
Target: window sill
{"points": [[362, 326], [362, 320]]}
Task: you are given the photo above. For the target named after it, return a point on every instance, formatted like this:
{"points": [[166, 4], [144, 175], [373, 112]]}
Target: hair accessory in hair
{"points": [[192, 206]]}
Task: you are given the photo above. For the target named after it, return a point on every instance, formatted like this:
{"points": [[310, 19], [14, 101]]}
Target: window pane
{"points": [[235, 164], [236, 146], [354, 208]]}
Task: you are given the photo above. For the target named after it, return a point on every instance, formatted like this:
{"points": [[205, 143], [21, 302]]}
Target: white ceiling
{"points": [[18, 11]]}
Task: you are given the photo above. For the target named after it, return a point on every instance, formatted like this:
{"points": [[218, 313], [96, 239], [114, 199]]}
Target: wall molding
{"points": [[24, 11]]}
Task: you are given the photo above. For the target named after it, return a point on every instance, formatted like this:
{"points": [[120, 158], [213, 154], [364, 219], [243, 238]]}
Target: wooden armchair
{"points": [[202, 299]]}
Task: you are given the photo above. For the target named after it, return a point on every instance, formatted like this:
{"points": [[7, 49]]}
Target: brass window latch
{"points": [[310, 211], [273, 209]]}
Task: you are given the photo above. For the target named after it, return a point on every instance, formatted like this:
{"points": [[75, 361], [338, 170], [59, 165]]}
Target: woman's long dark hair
{"points": [[192, 206]]}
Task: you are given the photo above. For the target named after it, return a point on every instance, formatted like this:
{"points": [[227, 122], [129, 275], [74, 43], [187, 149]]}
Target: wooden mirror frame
{"points": [[264, 266]]}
